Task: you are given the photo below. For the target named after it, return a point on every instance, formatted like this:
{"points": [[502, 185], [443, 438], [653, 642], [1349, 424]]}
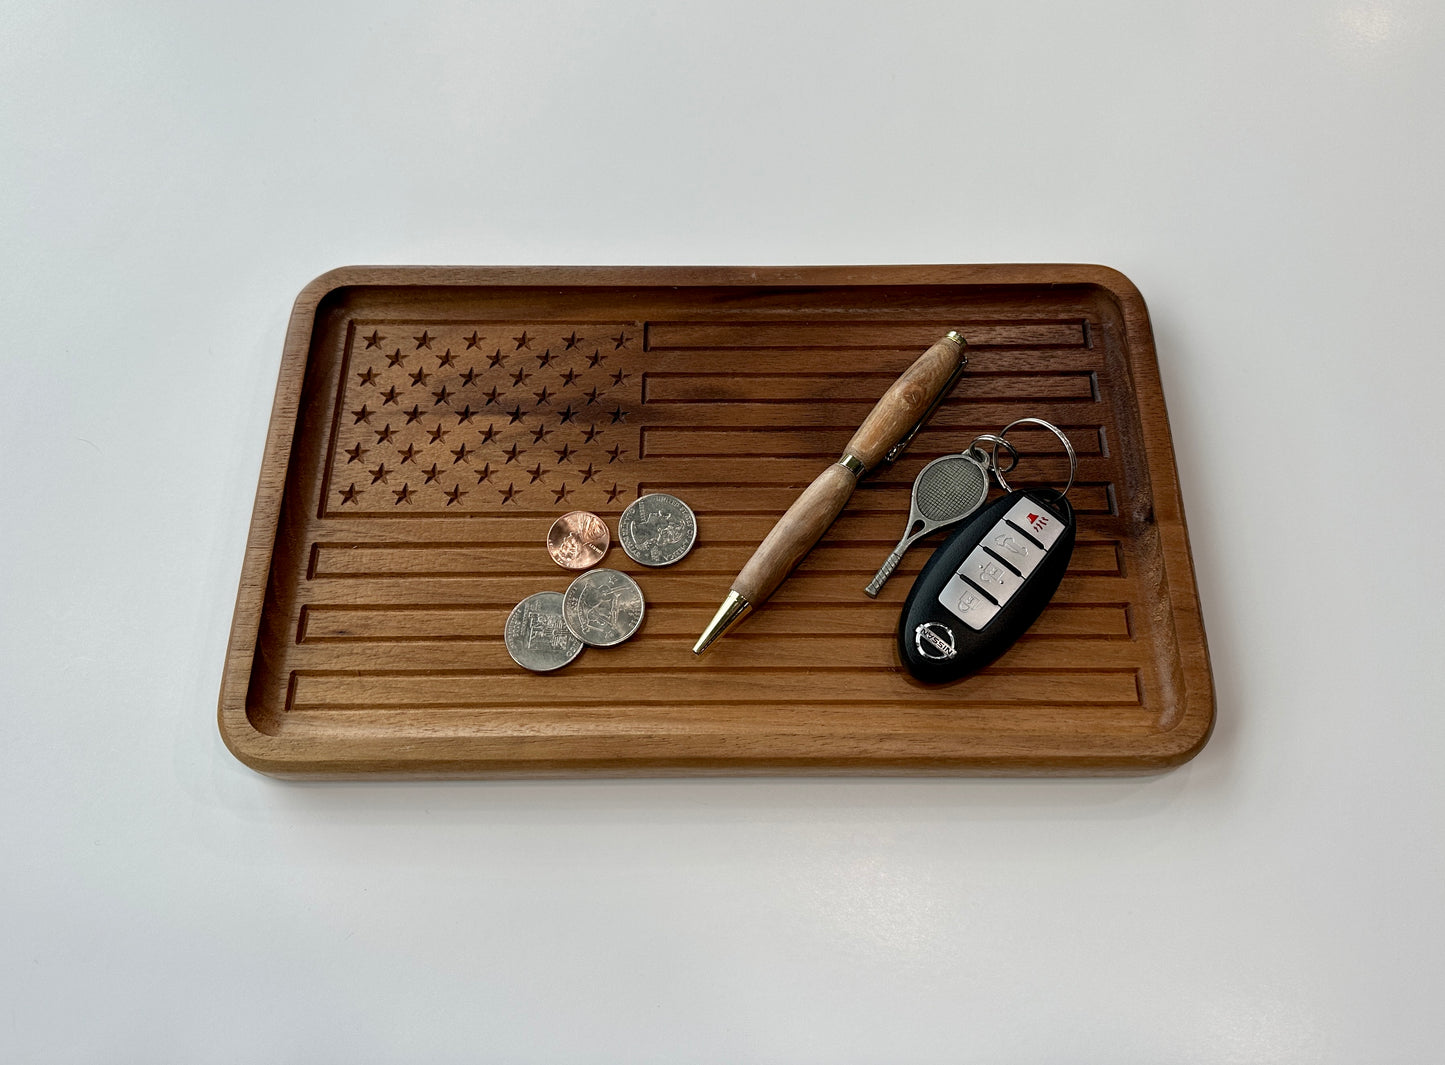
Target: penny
{"points": [[657, 529], [578, 540], [602, 607], [537, 637]]}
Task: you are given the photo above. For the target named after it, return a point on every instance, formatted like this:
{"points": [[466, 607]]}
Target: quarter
{"points": [[578, 540], [602, 607], [537, 637], [657, 529]]}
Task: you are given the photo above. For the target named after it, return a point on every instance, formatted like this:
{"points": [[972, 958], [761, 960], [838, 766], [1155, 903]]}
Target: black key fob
{"points": [[985, 585]]}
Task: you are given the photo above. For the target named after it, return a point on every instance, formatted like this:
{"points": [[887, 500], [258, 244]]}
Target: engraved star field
{"points": [[458, 404]]}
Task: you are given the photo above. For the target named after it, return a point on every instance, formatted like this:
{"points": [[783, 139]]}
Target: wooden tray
{"points": [[430, 423]]}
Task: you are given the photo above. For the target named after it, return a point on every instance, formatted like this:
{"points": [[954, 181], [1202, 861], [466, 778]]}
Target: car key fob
{"points": [[985, 585]]}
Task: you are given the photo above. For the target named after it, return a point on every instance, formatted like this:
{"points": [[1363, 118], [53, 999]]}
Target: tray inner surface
{"points": [[442, 428]]}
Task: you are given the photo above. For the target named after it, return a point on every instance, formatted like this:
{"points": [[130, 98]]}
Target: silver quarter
{"points": [[602, 607], [657, 529], [537, 637]]}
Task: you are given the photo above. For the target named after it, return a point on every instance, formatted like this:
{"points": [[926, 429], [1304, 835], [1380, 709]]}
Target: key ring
{"points": [[992, 457], [1073, 458]]}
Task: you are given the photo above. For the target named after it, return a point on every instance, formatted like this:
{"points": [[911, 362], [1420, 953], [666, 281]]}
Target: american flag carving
{"points": [[486, 418]]}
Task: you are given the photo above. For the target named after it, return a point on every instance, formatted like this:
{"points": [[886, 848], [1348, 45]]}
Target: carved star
{"points": [[540, 433], [571, 341], [492, 397], [349, 495], [537, 473], [543, 396], [380, 474], [569, 378], [403, 494], [374, 340], [595, 359], [619, 415], [509, 493], [520, 376], [389, 396], [515, 414], [591, 397], [409, 455], [442, 396], [496, 360], [614, 493], [431, 474], [566, 416], [455, 495], [362, 415], [420, 377], [473, 340], [470, 377], [565, 454], [620, 339], [368, 378], [413, 415], [589, 473], [466, 414], [562, 493], [438, 435], [544, 359], [614, 454], [522, 341], [619, 377], [590, 434], [384, 434], [460, 454], [484, 474], [396, 358], [355, 454], [489, 432], [513, 453], [446, 359], [423, 341]]}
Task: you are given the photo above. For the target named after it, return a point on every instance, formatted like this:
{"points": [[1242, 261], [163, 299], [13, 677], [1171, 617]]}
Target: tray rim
{"points": [[1188, 733]]}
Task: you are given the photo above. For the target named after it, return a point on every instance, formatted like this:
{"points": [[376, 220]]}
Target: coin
{"points": [[537, 637], [657, 529], [602, 607], [578, 540]]}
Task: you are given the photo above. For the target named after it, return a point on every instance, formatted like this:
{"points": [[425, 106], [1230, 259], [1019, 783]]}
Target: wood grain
{"points": [[800, 527], [431, 422]]}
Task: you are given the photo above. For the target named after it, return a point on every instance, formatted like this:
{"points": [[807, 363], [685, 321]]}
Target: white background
{"points": [[1269, 175]]}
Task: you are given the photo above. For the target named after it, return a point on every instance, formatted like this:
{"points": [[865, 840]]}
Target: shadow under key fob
{"points": [[985, 585]]}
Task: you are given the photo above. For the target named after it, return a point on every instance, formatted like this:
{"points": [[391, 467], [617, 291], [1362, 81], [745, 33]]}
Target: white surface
{"points": [[171, 175]]}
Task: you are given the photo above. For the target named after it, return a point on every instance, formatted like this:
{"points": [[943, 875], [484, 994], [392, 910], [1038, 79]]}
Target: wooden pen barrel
{"points": [[905, 402], [812, 512], [795, 534]]}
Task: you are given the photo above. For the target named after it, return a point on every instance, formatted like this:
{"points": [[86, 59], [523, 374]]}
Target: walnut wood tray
{"points": [[430, 423]]}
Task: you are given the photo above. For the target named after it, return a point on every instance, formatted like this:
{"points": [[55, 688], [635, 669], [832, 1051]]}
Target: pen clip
{"points": [[899, 448]]}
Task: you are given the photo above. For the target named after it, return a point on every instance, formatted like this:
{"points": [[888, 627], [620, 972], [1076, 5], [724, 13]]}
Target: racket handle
{"points": [[881, 577]]}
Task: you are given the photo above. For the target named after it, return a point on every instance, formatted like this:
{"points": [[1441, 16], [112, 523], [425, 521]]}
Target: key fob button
{"points": [[1038, 521], [1014, 547], [991, 575], [967, 603]]}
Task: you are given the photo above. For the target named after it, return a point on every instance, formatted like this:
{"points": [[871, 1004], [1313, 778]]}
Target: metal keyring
{"points": [[995, 440], [1073, 458]]}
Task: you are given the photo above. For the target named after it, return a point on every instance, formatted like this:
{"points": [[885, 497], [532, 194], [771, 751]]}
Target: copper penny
{"points": [[578, 540]]}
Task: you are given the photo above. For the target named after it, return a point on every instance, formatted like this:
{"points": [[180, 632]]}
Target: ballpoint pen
{"points": [[882, 437]]}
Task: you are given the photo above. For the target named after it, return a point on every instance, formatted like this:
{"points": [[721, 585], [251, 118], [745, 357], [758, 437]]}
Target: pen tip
{"points": [[733, 608]]}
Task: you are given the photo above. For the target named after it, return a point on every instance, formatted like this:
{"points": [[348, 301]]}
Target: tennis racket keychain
{"points": [[993, 575]]}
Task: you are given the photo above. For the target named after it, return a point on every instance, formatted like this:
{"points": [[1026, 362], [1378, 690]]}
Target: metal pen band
{"points": [[853, 464]]}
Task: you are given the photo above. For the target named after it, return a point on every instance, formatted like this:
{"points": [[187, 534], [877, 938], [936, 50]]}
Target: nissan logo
{"points": [[934, 640]]}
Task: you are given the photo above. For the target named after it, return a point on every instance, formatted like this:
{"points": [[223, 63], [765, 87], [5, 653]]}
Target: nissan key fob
{"points": [[985, 585]]}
